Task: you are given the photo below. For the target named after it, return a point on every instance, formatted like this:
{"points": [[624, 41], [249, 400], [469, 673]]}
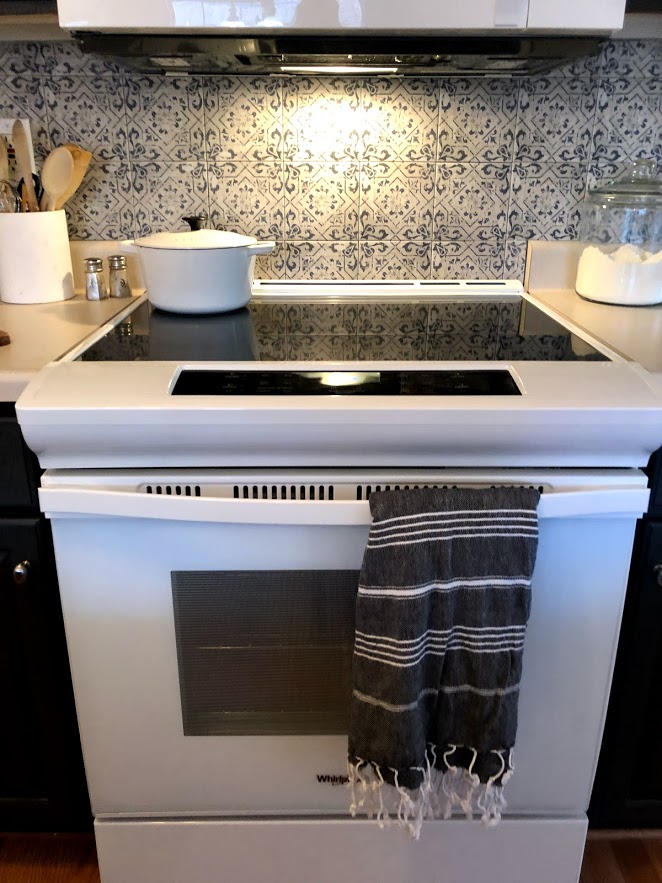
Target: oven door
{"points": [[209, 621]]}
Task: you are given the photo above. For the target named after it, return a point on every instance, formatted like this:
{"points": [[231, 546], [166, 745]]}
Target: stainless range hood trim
{"points": [[513, 55]]}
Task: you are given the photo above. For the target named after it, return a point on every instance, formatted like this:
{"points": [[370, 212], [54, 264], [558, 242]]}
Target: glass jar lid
{"points": [[640, 187]]}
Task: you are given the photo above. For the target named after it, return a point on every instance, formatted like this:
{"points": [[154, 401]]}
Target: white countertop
{"points": [[42, 332], [633, 332]]}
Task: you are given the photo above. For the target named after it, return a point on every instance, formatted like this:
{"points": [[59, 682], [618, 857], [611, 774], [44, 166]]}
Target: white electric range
{"points": [[207, 483]]}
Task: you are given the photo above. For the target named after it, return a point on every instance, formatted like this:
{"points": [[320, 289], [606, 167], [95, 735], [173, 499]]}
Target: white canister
{"points": [[35, 260]]}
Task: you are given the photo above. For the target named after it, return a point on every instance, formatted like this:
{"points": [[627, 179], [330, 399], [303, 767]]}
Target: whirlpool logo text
{"points": [[328, 779]]}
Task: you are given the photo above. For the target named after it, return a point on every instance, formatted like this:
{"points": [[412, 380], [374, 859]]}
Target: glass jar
{"points": [[621, 232]]}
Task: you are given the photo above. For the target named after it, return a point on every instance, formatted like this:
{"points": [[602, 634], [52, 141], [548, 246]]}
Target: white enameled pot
{"points": [[198, 271]]}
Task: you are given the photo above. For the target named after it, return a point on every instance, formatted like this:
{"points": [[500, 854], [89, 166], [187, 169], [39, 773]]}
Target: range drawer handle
{"points": [[20, 572], [657, 570]]}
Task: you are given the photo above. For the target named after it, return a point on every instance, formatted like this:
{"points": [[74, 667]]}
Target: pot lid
{"points": [[187, 240], [640, 187]]}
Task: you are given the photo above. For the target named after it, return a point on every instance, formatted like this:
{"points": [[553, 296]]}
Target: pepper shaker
{"points": [[119, 283], [95, 285]]}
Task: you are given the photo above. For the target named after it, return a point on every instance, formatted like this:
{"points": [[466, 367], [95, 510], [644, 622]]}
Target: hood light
{"points": [[335, 69]]}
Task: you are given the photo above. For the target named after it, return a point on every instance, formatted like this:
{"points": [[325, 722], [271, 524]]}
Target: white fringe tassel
{"points": [[440, 793]]}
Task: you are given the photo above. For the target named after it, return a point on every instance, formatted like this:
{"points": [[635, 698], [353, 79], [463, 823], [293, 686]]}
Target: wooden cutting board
{"points": [[4, 338]]}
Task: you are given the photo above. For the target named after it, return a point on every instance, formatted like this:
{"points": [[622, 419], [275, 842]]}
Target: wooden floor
{"points": [[616, 857]]}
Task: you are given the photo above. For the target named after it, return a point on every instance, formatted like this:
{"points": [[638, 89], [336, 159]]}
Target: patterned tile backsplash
{"points": [[354, 178]]}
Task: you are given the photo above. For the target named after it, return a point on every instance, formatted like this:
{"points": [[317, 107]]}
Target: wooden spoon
{"points": [[22, 151], [4, 159], [56, 177], [81, 160]]}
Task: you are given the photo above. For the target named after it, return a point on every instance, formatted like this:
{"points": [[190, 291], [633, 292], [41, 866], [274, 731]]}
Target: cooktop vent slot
{"points": [[174, 490], [319, 492]]}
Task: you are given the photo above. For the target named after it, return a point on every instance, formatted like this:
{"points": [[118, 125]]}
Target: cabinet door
{"points": [[332, 15], [628, 787], [42, 784], [565, 15]]}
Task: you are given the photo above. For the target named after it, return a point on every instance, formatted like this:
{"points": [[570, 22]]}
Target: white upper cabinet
{"points": [[587, 15], [329, 15]]}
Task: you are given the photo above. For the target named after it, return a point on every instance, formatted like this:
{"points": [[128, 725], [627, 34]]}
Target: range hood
{"points": [[348, 53], [444, 37]]}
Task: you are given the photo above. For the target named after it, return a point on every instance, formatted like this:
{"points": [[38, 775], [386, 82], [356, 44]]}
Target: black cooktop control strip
{"points": [[213, 382]]}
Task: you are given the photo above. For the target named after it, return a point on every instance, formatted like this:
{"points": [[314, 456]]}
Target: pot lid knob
{"points": [[197, 222]]}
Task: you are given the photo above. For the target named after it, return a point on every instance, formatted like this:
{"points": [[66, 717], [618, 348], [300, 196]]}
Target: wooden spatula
{"points": [[81, 160], [20, 141], [4, 159]]}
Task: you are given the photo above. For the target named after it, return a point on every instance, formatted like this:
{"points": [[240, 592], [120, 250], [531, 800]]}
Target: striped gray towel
{"points": [[441, 613]]}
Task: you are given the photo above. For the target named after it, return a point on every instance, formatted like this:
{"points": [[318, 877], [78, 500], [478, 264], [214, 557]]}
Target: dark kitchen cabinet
{"points": [[42, 784], [628, 786]]}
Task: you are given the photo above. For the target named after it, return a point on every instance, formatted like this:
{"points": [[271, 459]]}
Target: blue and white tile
{"points": [[165, 118], [515, 259], [243, 118], [272, 266], [467, 260], [471, 201], [585, 66], [555, 120], [394, 260], [629, 121], [601, 172], [26, 58], [546, 200], [102, 208], [321, 260], [321, 201], [632, 58], [89, 111], [477, 120], [399, 119], [69, 59], [23, 96], [247, 198], [397, 200], [164, 193], [322, 119]]}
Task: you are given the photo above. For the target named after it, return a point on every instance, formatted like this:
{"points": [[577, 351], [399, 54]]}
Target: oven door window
{"points": [[264, 652]]}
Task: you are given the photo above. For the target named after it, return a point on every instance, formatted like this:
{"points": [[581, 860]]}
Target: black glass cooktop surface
{"points": [[469, 329]]}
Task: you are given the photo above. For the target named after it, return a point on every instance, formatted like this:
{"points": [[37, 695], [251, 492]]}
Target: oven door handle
{"points": [[85, 502]]}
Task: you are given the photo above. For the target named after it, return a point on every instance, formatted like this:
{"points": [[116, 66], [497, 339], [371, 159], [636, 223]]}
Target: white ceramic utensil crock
{"points": [[35, 259], [198, 271]]}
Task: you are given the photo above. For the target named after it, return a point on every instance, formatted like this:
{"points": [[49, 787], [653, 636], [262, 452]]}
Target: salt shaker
{"points": [[119, 283], [95, 285]]}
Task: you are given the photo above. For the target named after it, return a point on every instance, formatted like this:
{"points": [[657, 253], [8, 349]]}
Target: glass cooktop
{"points": [[448, 329]]}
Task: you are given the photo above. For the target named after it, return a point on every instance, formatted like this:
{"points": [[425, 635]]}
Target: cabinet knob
{"points": [[657, 570], [20, 572]]}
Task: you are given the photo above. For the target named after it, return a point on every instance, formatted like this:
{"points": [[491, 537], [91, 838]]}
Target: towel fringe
{"points": [[439, 794]]}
